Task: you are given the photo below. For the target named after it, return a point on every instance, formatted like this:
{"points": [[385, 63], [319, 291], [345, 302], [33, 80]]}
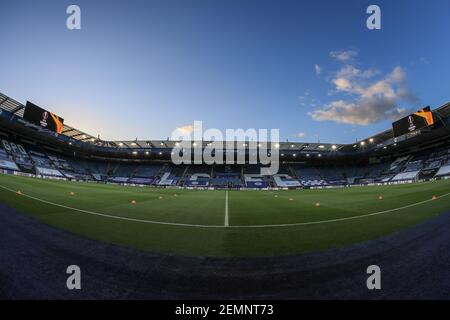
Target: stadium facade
{"points": [[67, 153]]}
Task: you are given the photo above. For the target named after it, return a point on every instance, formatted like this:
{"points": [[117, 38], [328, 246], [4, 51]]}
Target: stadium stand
{"points": [[444, 170], [406, 176], [19, 155], [198, 180], [256, 181], [285, 181], [309, 176], [6, 161], [140, 181], [48, 172], [123, 169], [147, 171], [76, 155], [171, 175], [227, 176]]}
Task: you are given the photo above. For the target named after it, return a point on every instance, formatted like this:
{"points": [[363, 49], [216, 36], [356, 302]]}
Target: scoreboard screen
{"points": [[43, 118], [413, 122]]}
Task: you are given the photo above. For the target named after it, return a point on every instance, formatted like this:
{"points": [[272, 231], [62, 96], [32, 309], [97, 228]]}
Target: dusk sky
{"points": [[140, 69]]}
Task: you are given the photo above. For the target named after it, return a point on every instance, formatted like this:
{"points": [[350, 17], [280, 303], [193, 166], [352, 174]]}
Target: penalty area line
{"points": [[112, 216]]}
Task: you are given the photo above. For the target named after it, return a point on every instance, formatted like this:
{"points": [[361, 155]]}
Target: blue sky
{"points": [[310, 68]]}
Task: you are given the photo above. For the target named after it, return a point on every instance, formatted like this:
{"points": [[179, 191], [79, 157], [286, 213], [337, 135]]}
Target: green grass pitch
{"points": [[193, 222]]}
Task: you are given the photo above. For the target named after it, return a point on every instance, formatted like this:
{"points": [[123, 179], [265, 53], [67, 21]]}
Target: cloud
{"points": [[361, 112], [370, 100], [301, 135], [185, 130], [318, 69], [351, 72], [344, 56]]}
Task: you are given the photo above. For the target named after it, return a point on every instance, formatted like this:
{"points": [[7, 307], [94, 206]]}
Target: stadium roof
{"points": [[17, 108], [380, 139]]}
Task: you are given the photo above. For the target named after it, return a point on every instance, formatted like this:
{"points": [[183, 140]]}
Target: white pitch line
{"points": [[226, 224], [114, 217], [221, 226], [340, 219]]}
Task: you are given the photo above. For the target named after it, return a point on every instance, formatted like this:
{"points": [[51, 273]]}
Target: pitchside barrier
{"points": [[19, 173]]}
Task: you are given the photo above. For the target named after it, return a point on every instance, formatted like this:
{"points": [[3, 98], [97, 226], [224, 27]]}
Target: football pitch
{"points": [[225, 223]]}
